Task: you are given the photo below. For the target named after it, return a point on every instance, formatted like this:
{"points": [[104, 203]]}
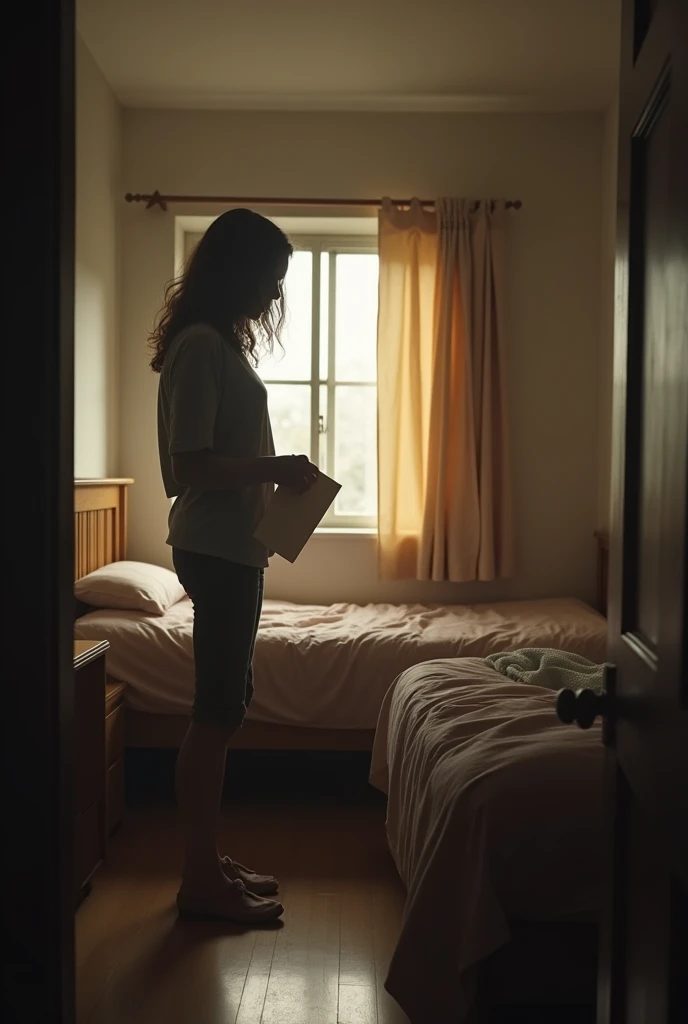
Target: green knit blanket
{"points": [[547, 667]]}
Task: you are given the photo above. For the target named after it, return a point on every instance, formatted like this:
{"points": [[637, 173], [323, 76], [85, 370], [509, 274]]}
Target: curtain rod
{"points": [[156, 199]]}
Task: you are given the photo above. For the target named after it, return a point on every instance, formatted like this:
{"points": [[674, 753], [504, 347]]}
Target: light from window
{"points": [[322, 387]]}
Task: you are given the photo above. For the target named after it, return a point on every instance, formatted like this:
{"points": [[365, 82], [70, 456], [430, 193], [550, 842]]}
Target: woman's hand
{"points": [[205, 471], [294, 471]]}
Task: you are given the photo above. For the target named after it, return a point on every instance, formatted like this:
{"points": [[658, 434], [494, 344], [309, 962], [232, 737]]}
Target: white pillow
{"points": [[136, 586]]}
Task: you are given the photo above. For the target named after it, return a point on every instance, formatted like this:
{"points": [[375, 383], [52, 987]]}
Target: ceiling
{"points": [[356, 54]]}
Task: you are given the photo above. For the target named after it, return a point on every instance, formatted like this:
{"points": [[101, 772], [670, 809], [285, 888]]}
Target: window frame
{"points": [[333, 245]]}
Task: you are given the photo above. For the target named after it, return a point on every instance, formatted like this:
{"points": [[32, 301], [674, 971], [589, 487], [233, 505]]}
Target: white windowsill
{"points": [[346, 531]]}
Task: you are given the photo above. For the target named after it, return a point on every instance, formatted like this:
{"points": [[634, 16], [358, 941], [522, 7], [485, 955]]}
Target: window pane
{"points": [[290, 415], [294, 363], [356, 316], [322, 434], [356, 450], [324, 312]]}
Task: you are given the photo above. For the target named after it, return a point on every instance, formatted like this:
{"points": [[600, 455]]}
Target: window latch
{"points": [[321, 425]]}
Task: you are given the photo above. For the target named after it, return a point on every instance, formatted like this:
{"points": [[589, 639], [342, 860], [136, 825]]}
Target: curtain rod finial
{"points": [[156, 200]]}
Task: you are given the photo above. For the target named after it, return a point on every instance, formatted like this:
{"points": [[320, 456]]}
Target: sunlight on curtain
{"points": [[443, 477]]}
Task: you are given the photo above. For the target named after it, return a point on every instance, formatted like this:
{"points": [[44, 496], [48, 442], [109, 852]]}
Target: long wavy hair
{"points": [[224, 278]]}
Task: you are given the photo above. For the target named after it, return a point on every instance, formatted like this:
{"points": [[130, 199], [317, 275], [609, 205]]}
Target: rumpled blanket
{"points": [[550, 668]]}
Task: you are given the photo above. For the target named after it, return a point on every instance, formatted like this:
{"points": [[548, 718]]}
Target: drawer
{"points": [[114, 736], [115, 795], [88, 847]]}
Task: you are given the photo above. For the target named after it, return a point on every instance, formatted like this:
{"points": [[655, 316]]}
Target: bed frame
{"points": [[100, 525]]}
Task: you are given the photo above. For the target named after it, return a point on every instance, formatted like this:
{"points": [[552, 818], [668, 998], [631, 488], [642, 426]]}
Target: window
{"points": [[322, 387]]}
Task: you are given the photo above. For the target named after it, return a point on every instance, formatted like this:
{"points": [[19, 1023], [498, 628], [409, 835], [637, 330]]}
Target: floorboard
{"points": [[312, 821]]}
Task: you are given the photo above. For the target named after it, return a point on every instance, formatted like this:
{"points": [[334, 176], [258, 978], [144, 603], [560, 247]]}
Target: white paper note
{"points": [[291, 518]]}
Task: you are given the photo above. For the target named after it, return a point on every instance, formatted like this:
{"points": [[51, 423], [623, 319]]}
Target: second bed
{"points": [[494, 820]]}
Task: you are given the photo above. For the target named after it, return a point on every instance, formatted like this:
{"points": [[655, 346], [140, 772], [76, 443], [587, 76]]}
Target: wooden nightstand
{"points": [[114, 755], [89, 760]]}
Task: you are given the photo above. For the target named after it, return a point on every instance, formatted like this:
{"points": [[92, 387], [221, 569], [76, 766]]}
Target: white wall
{"points": [[609, 188], [552, 162], [98, 197]]}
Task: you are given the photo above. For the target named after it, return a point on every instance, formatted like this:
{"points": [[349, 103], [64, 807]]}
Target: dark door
{"points": [[38, 531], [643, 968]]}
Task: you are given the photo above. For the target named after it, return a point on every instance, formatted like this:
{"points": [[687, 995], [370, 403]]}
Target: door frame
{"points": [[38, 451], [643, 788]]}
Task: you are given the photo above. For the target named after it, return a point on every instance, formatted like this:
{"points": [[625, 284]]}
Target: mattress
{"points": [[494, 816], [329, 667]]}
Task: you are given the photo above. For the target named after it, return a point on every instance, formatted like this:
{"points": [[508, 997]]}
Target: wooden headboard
{"points": [[100, 523]]}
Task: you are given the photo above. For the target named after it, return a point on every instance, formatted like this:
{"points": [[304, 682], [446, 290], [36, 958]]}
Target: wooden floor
{"points": [[325, 964]]}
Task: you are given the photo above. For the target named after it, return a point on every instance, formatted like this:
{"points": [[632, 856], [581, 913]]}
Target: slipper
{"points": [[233, 904], [259, 885]]}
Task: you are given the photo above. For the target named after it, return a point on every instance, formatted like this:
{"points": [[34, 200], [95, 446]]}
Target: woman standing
{"points": [[218, 462]]}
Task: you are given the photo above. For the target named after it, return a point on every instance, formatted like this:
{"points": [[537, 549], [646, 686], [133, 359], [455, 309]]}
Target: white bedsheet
{"points": [[330, 667], [494, 815]]}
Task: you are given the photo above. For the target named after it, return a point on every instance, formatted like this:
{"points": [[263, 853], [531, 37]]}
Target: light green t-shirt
{"points": [[211, 398]]}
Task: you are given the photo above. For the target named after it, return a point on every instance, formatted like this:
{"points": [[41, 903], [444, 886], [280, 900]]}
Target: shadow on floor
{"points": [[263, 775]]}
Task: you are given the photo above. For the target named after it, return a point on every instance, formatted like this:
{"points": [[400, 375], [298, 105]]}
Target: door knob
{"points": [[581, 707]]}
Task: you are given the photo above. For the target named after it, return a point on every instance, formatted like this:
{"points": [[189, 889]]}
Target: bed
{"points": [[321, 672], [494, 820]]}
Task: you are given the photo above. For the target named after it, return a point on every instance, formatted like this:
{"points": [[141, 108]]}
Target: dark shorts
{"points": [[227, 599]]}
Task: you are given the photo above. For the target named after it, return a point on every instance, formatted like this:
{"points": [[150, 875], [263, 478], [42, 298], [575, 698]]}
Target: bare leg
{"points": [[200, 775]]}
